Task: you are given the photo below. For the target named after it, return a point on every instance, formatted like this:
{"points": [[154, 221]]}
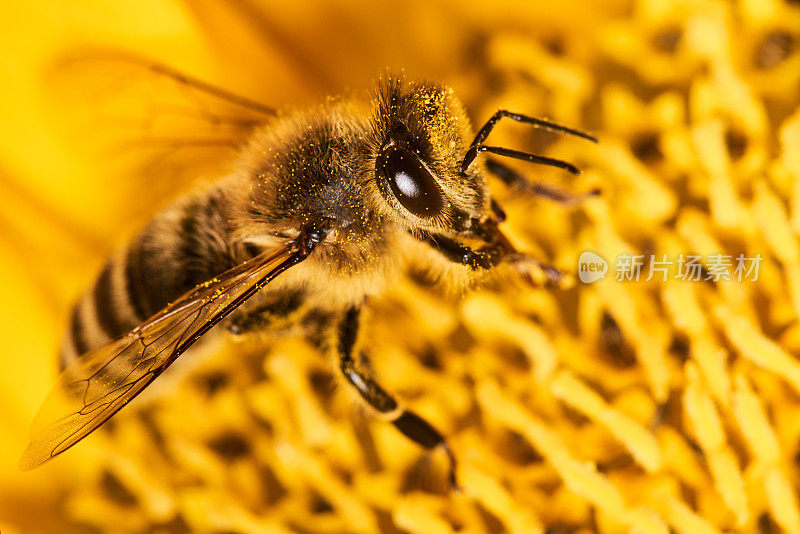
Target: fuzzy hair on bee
{"points": [[321, 164], [325, 208]]}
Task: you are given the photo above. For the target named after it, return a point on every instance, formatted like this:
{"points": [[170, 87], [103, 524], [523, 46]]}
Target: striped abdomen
{"points": [[183, 246]]}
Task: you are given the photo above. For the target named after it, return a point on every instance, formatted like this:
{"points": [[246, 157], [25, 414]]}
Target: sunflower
{"points": [[662, 395]]}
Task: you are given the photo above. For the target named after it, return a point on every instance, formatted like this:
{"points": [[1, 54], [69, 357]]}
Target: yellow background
{"points": [[68, 200]]}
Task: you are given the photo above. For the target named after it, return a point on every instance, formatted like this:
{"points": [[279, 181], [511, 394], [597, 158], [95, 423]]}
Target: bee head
{"points": [[421, 133]]}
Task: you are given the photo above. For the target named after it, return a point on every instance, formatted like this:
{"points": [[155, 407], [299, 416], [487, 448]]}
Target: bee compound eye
{"points": [[411, 182]]}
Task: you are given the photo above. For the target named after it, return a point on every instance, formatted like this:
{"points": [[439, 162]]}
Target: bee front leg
{"points": [[515, 180], [359, 377], [534, 271]]}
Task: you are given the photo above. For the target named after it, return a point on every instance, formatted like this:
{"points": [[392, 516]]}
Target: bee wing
{"points": [[144, 95], [147, 123], [99, 383]]}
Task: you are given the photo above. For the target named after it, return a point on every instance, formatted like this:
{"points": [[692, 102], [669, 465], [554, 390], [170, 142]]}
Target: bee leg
{"points": [[483, 258], [358, 376], [517, 181], [534, 271], [498, 211], [275, 314]]}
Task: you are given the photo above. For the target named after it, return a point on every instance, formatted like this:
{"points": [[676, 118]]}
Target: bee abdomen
{"points": [[180, 248], [104, 313]]}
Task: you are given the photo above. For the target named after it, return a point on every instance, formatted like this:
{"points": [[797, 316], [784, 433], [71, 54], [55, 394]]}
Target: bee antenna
{"points": [[533, 158], [476, 147]]}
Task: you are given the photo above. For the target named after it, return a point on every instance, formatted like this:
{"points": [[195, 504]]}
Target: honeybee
{"points": [[319, 215]]}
